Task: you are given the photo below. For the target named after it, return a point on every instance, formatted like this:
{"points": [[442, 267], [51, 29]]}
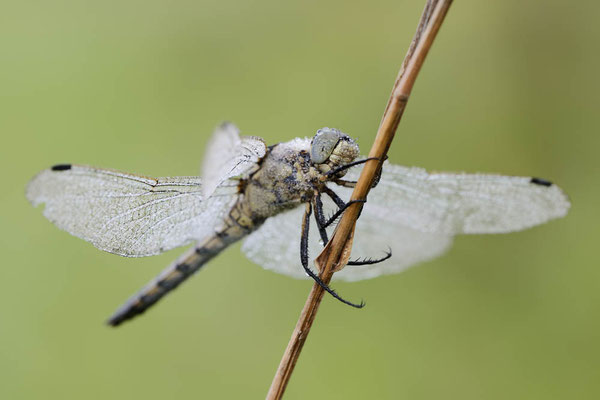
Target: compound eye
{"points": [[323, 144]]}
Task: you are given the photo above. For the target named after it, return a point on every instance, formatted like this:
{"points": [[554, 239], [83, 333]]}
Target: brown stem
{"points": [[337, 250]]}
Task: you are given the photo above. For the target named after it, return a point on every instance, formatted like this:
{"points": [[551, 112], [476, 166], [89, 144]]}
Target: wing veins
{"points": [[157, 223], [139, 207]]}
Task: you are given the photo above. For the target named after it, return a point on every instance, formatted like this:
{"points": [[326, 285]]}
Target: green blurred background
{"points": [[509, 87]]}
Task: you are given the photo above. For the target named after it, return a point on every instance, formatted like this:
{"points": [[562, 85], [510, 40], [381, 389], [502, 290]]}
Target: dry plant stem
{"points": [[337, 250], [425, 18]]}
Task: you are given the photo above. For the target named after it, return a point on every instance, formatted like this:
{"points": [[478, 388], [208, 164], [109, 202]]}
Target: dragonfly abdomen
{"points": [[172, 276]]}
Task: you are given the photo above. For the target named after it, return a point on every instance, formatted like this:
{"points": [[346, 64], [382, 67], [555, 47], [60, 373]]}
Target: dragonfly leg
{"points": [[339, 212], [342, 205], [370, 261], [304, 259], [320, 218], [345, 183], [352, 184], [336, 199], [349, 165]]}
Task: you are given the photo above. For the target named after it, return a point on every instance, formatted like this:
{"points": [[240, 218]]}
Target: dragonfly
{"points": [[268, 195]]}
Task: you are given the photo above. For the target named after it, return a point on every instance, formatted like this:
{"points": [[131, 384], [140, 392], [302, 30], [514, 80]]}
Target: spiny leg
{"points": [[349, 165], [339, 212], [304, 259], [336, 199], [345, 183], [352, 184], [342, 207], [370, 261], [324, 224], [320, 218]]}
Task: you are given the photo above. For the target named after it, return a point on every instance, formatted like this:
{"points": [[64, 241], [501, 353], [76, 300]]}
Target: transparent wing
{"points": [[127, 214], [228, 156], [463, 203], [276, 244], [416, 214]]}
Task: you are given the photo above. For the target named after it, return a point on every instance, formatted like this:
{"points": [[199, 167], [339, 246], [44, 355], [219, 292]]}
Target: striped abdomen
{"points": [[189, 263]]}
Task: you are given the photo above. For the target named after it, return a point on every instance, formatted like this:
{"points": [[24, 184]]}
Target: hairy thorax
{"points": [[285, 179]]}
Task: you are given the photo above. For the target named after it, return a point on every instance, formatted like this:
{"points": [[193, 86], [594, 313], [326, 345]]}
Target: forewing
{"points": [[463, 203], [228, 156], [276, 244], [128, 214]]}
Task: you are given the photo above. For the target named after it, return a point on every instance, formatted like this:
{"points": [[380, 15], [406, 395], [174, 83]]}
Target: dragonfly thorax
{"points": [[291, 172]]}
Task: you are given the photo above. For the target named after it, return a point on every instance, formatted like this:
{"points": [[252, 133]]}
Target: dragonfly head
{"points": [[331, 148]]}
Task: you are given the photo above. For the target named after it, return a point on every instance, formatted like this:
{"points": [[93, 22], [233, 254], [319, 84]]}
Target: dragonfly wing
{"points": [[228, 156], [276, 244], [128, 214], [375, 235], [415, 214], [463, 203]]}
